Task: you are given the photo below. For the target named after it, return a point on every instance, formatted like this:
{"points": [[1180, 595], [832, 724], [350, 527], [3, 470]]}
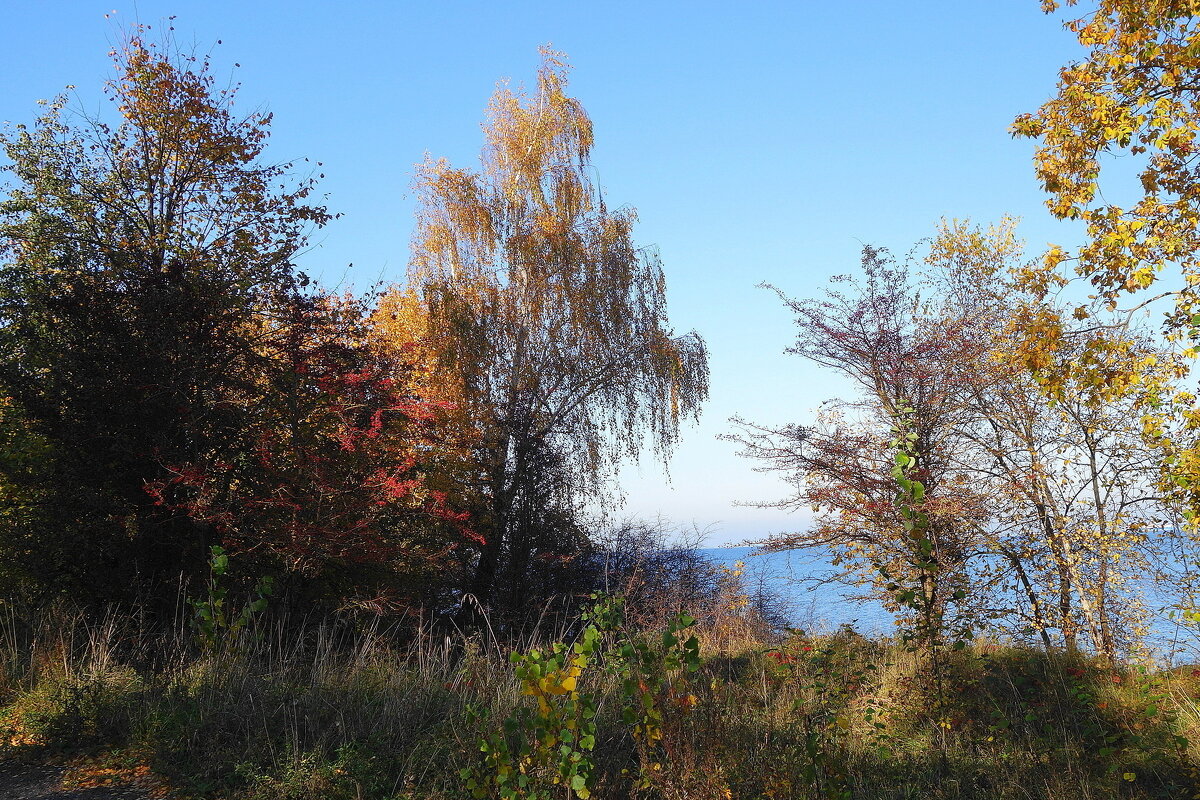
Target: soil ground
{"points": [[20, 781]]}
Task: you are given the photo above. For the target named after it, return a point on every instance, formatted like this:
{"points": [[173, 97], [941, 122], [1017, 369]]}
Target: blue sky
{"points": [[758, 142]]}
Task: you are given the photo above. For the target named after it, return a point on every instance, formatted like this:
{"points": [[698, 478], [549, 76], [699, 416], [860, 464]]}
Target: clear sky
{"points": [[758, 141]]}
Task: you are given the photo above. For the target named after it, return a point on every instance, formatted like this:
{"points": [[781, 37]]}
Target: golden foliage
{"points": [[1133, 96], [1033, 476], [539, 302], [549, 322]]}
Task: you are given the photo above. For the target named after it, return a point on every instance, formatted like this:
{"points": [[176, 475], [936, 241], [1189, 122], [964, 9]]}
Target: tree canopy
{"points": [[549, 317]]}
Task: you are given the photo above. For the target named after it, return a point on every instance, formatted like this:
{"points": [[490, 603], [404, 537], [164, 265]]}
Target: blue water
{"points": [[815, 604], [801, 578]]}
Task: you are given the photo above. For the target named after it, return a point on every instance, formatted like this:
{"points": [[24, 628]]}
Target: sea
{"points": [[812, 600]]}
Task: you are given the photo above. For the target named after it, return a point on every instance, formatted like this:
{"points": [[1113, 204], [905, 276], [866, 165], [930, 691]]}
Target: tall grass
{"points": [[339, 708]]}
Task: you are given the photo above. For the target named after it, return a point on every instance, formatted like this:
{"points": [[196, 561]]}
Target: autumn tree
{"points": [[1075, 517], [552, 323], [1133, 96], [140, 263], [1039, 504], [332, 494], [904, 361]]}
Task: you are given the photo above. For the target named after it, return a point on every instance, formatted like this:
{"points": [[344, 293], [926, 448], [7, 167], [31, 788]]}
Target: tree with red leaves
{"points": [[333, 490]]}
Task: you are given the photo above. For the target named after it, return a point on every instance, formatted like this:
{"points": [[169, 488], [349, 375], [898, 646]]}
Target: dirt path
{"points": [[31, 782]]}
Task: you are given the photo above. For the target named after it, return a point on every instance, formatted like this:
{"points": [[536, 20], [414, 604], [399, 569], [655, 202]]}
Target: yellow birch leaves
{"points": [[552, 319]]}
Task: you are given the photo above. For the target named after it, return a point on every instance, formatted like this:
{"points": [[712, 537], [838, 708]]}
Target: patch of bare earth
{"points": [[78, 781]]}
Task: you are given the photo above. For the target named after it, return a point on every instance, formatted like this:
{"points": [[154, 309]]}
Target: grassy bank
{"points": [[348, 712]]}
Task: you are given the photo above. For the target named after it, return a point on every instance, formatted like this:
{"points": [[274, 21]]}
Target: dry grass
{"points": [[339, 710]]}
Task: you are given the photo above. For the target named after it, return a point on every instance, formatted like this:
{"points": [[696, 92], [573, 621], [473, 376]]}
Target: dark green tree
{"points": [[142, 267]]}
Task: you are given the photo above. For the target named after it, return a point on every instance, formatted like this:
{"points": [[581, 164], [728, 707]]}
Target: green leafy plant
{"points": [[820, 716], [213, 617], [654, 681], [543, 750], [924, 597]]}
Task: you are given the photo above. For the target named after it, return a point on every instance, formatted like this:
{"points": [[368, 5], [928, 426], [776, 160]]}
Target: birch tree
{"points": [[551, 320]]}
